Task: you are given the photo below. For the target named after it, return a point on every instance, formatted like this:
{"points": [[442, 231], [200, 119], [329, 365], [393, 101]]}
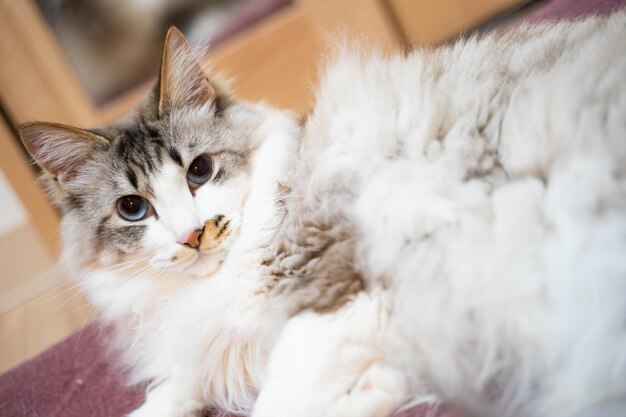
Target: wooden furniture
{"points": [[428, 22]]}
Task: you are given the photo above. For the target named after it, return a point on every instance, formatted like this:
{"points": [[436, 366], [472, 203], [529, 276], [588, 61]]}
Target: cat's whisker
{"points": [[61, 288], [82, 329], [124, 265], [80, 307], [77, 287], [126, 268], [139, 271], [187, 277], [78, 293], [54, 292], [91, 314], [141, 264], [129, 261], [65, 291], [119, 264], [64, 311]]}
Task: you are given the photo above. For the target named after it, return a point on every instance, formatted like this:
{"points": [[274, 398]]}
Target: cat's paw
{"points": [[168, 400], [142, 411], [377, 393], [215, 231], [164, 409]]}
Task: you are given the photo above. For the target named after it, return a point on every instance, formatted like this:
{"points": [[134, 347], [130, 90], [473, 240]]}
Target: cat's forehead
{"points": [[145, 132], [141, 146], [144, 142], [138, 152], [179, 129], [150, 141]]}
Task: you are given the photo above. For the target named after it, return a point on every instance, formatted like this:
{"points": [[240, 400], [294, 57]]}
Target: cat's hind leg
{"points": [[331, 365], [376, 393]]}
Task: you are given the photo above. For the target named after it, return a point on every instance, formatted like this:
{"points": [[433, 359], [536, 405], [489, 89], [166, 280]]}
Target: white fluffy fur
{"points": [[507, 286], [491, 191], [491, 203], [199, 340]]}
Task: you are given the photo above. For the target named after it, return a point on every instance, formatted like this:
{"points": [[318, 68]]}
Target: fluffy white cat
{"points": [[447, 226]]}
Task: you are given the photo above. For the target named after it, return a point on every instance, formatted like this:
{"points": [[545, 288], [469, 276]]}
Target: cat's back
{"points": [[485, 184], [387, 129], [375, 104]]}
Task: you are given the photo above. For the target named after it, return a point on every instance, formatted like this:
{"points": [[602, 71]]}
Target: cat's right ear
{"points": [[60, 149], [182, 80]]}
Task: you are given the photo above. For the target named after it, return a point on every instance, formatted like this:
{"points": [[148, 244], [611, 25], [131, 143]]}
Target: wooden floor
{"points": [[39, 323], [38, 306]]}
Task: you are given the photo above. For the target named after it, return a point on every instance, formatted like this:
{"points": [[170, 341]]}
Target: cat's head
{"points": [[169, 186]]}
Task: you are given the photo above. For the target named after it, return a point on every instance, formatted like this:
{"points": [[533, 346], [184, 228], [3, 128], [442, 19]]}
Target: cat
{"points": [[445, 226]]}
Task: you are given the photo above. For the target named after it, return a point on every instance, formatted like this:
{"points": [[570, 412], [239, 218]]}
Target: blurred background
{"points": [[99, 35], [86, 62]]}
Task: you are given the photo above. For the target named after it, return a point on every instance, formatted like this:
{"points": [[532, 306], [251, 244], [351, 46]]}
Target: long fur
{"points": [[448, 226], [491, 201]]}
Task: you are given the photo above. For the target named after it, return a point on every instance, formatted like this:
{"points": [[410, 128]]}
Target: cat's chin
{"points": [[165, 263], [205, 264], [190, 262]]}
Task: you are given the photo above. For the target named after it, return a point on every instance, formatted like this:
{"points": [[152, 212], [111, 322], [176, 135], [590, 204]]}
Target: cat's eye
{"points": [[133, 208], [199, 171]]}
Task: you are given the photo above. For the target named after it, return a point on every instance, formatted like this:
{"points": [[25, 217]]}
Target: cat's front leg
{"points": [[171, 398]]}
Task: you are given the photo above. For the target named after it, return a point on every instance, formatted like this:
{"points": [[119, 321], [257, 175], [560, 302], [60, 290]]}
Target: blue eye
{"points": [[133, 208], [199, 171]]}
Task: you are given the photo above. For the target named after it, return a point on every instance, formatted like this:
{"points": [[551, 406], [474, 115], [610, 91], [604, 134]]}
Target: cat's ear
{"points": [[182, 81], [60, 149]]}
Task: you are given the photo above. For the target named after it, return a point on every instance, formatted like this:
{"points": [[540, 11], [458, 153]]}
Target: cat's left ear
{"points": [[60, 149], [182, 81]]}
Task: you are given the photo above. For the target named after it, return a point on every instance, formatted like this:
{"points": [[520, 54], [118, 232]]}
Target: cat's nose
{"points": [[193, 240]]}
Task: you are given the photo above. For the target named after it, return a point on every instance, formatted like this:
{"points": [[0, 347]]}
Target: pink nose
{"points": [[193, 240]]}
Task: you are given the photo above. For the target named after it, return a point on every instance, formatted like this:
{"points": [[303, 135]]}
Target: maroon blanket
{"points": [[72, 379], [572, 9], [76, 379]]}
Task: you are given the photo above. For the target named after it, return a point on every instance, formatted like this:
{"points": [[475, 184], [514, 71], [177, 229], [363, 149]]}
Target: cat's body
{"points": [[485, 184], [449, 225]]}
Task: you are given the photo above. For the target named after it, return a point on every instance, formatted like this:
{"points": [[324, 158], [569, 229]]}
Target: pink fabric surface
{"points": [[72, 379], [76, 378], [572, 9]]}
